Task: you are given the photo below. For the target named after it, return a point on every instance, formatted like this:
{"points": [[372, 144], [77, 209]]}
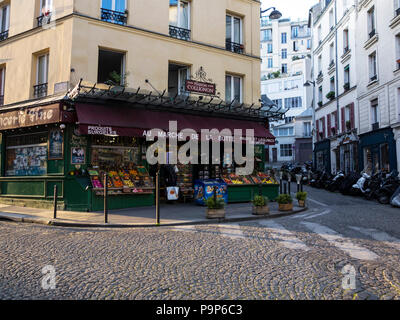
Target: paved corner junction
{"points": [[297, 257]]}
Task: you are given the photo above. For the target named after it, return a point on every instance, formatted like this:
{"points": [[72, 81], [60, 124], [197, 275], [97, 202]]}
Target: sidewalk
{"points": [[171, 215]]}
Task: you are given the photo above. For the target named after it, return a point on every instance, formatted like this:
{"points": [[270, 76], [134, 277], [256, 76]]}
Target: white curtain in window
{"points": [[42, 69], [4, 18]]}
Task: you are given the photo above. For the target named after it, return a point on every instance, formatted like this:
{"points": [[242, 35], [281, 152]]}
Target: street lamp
{"points": [[275, 14]]}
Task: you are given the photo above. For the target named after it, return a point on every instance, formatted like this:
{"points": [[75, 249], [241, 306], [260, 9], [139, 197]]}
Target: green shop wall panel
{"points": [[122, 201], [75, 196], [55, 167], [241, 193], [271, 191], [50, 189], [23, 188]]}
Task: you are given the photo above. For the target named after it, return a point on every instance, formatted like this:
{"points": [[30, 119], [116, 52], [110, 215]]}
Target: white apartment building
{"points": [[356, 51], [334, 75], [285, 53]]}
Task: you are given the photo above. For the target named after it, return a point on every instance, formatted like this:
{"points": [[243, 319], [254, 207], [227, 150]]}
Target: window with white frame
{"points": [[270, 63], [284, 37], [374, 112], [114, 11], [345, 40], [233, 88], [284, 53], [397, 7], [266, 35], [307, 129], [397, 39], [179, 14], [234, 29], [269, 48], [319, 34], [331, 20], [4, 21], [286, 150], [373, 67], [46, 7], [284, 68], [320, 97], [42, 71], [371, 22], [320, 64], [2, 84], [347, 76]]}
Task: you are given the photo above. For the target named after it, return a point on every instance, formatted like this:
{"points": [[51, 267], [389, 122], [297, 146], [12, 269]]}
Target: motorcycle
{"points": [[387, 188], [359, 188], [348, 182], [335, 183]]}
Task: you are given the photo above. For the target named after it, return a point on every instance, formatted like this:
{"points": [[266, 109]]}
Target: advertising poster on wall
{"points": [[56, 145], [78, 156]]}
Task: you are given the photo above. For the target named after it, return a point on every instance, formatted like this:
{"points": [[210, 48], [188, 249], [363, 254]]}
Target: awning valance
{"points": [[127, 121]]}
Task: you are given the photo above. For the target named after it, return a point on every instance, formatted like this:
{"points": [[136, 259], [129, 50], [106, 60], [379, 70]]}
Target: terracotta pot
{"points": [[215, 213], [302, 203], [260, 211], [286, 207]]}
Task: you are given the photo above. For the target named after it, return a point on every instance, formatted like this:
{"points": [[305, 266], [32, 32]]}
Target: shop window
{"points": [[368, 160], [2, 84], [111, 68], [384, 161], [286, 150], [179, 19], [233, 89], [26, 155], [177, 76], [42, 72]]}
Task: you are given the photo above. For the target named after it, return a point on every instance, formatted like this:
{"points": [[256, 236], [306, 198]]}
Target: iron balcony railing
{"points": [[372, 33], [1, 100], [397, 12], [234, 47], [3, 35], [345, 50], [179, 33], [374, 78], [44, 19], [40, 90], [116, 17]]}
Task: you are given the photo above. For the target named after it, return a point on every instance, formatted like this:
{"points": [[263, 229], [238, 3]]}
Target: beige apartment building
{"points": [[149, 40], [83, 82]]}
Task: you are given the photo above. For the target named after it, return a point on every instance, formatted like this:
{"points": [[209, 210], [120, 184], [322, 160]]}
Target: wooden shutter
{"points": [[352, 120], [343, 120]]}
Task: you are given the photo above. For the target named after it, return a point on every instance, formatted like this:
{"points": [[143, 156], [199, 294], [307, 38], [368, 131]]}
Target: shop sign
{"points": [[106, 131], [30, 117], [200, 87]]}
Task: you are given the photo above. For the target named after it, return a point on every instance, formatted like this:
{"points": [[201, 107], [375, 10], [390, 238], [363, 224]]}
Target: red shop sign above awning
{"points": [[125, 121]]}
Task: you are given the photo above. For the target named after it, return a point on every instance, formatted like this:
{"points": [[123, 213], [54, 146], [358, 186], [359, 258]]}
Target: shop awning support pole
{"points": [[105, 198], [158, 197], [55, 201]]}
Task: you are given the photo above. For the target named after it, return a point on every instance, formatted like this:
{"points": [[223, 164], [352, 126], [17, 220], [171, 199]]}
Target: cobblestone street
{"points": [[297, 257]]}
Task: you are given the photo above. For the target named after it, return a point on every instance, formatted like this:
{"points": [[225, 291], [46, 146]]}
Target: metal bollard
{"points": [[105, 198], [158, 197], [55, 201]]}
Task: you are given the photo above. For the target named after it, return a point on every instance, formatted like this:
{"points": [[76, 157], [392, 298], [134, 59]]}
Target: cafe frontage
{"points": [[97, 131]]}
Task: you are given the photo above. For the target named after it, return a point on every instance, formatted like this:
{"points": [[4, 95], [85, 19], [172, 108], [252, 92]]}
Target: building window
{"points": [[270, 63], [345, 40], [233, 89], [371, 22], [4, 22], [42, 71], [111, 68], [177, 76], [284, 37], [295, 46], [320, 66], [45, 12], [266, 35], [286, 150], [269, 48], [284, 68], [284, 132], [234, 38], [373, 67], [295, 32], [278, 102], [179, 19], [398, 51], [2, 84], [346, 77], [320, 96], [396, 7], [308, 43], [295, 102], [284, 53], [332, 84], [319, 35], [307, 129], [333, 124], [331, 55], [375, 114]]}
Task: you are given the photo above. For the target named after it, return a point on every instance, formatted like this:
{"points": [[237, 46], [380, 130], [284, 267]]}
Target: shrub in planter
{"points": [[331, 95], [301, 197], [285, 202], [215, 208], [260, 205], [320, 103]]}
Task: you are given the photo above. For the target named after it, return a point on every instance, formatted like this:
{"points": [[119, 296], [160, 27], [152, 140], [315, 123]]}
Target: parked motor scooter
{"points": [[336, 182], [388, 187], [359, 188]]}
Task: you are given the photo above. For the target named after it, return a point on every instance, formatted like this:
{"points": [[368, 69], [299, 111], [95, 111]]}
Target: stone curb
{"points": [[56, 223]]}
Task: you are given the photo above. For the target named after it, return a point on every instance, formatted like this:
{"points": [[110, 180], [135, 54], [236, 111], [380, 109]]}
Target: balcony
{"points": [[40, 90], [44, 19], [179, 33], [1, 100], [234, 47], [374, 78], [3, 35], [116, 17]]}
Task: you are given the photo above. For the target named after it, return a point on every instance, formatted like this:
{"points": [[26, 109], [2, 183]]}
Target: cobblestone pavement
{"points": [[297, 257]]}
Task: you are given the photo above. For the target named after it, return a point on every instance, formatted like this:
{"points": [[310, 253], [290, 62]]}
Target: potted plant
{"points": [[320, 103], [285, 202], [215, 208], [301, 197], [260, 206], [331, 95], [346, 86]]}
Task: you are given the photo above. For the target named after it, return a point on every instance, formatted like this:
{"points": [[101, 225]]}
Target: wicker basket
{"points": [[260, 211], [302, 204], [286, 207], [215, 213]]}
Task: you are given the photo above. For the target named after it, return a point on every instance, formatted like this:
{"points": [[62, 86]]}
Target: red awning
{"points": [[125, 121]]}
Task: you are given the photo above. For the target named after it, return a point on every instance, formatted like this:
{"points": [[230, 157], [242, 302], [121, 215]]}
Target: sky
{"points": [[293, 9]]}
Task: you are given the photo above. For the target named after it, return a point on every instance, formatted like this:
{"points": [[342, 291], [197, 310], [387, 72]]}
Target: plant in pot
{"points": [[331, 95], [285, 202], [215, 208], [301, 197], [260, 206]]}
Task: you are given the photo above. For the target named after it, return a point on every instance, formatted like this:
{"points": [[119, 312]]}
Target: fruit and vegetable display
{"points": [[261, 178], [185, 179]]}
